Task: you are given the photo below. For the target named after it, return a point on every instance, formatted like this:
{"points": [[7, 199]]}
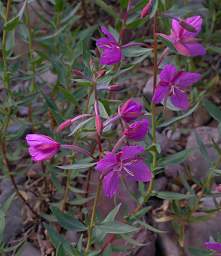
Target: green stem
{"points": [[153, 108], [66, 191], [30, 46], [91, 225], [4, 50]]}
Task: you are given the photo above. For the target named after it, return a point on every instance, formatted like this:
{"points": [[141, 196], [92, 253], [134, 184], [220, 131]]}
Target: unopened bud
{"points": [[98, 121], [147, 9], [100, 73], [77, 72], [64, 125], [115, 87]]}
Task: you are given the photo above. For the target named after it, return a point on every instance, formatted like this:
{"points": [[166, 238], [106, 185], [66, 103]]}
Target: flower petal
{"points": [[36, 139], [185, 79], [110, 184], [180, 99], [190, 49], [213, 246], [195, 22], [37, 155], [168, 72], [130, 152], [140, 171], [195, 49], [137, 130], [176, 28], [107, 163], [107, 33], [103, 43], [161, 91], [111, 55]]}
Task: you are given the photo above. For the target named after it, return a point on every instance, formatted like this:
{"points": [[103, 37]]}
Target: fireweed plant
{"points": [[112, 143]]}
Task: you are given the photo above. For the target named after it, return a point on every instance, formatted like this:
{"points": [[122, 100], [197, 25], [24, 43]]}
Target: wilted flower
{"points": [[125, 163], [130, 110], [111, 53], [183, 40], [137, 130], [41, 147], [214, 246], [172, 84]]}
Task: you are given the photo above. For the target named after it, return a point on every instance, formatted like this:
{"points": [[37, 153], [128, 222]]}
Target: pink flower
{"points": [[125, 163], [111, 50], [183, 40], [173, 84], [214, 246], [137, 130], [130, 110], [41, 147]]}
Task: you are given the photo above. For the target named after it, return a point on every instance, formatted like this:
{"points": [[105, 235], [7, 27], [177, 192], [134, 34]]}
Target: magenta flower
{"points": [[111, 50], [173, 84], [130, 110], [125, 163], [214, 246], [185, 41], [41, 147], [137, 130]]}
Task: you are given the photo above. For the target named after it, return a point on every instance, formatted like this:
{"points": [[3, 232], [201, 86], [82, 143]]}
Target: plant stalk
{"points": [[91, 225]]}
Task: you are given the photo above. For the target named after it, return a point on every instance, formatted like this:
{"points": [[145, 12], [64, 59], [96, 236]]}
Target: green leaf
{"points": [[176, 158], [179, 117], [213, 110], [76, 166], [59, 5], [80, 125], [58, 239], [107, 8], [12, 23], [115, 228], [149, 227], [83, 82], [81, 200], [67, 221], [112, 214], [2, 223], [172, 195], [201, 145], [136, 51], [199, 252]]}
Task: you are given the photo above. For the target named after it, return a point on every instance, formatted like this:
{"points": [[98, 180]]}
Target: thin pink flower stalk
{"points": [[70, 121], [184, 38], [42, 147]]}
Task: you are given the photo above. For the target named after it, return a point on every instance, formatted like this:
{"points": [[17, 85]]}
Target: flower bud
{"points": [[64, 125], [115, 87], [147, 9], [41, 147], [137, 130], [130, 110], [98, 121]]}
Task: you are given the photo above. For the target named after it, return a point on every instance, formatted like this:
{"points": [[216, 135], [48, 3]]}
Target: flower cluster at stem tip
{"points": [[125, 161]]}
